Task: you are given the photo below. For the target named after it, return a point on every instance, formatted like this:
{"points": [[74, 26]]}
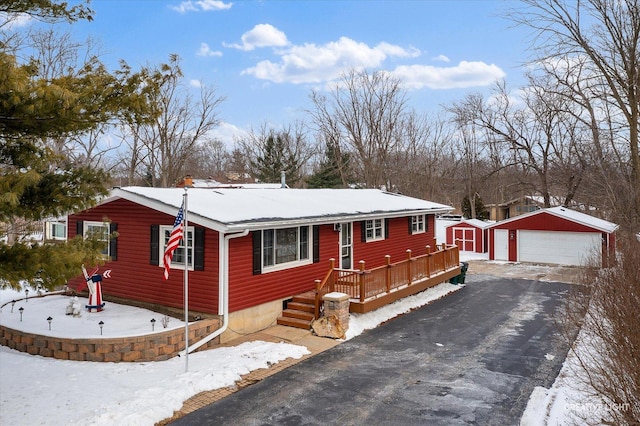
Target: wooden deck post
{"points": [[317, 310], [409, 277], [388, 274], [332, 280], [362, 292], [429, 261]]}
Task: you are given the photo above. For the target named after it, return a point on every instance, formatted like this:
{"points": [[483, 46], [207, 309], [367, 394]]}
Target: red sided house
{"points": [[249, 252], [555, 235], [469, 235]]}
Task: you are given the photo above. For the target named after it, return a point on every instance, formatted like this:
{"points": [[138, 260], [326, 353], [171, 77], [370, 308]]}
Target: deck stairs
{"points": [[300, 311]]}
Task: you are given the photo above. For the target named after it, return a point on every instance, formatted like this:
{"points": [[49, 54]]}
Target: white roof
{"points": [[478, 223], [227, 209], [572, 215]]}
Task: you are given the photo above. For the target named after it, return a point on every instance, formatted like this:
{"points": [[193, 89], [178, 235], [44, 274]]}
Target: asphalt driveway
{"points": [[473, 357]]}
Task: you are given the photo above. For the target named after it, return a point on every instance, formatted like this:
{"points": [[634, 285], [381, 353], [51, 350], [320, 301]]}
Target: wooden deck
{"points": [[370, 289]]}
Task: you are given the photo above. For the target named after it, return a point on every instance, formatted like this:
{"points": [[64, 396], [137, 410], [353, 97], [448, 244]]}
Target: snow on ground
{"points": [[44, 391], [566, 402]]}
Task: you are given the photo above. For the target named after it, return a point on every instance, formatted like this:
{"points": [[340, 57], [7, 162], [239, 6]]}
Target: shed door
{"points": [[465, 238], [564, 248], [501, 244]]}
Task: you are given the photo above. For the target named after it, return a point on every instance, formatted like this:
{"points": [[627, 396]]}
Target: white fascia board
{"points": [[327, 220]]}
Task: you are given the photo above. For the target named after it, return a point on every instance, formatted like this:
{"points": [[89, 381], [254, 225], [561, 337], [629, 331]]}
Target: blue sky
{"points": [[266, 56]]}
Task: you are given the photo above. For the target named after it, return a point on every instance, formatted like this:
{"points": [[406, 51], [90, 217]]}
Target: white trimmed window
{"points": [[285, 248], [374, 229], [100, 230], [57, 230], [180, 254], [418, 224]]}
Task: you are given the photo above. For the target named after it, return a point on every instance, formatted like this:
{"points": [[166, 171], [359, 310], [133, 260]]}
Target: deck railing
{"points": [[362, 284]]}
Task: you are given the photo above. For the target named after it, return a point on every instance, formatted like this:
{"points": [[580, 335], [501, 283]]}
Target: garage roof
{"points": [[571, 215]]}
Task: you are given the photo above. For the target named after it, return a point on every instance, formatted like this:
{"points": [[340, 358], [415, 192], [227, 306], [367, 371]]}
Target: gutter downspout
{"points": [[223, 288]]}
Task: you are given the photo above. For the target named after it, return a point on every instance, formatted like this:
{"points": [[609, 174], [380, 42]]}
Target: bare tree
{"points": [[209, 159], [422, 165], [605, 36], [159, 149], [538, 134], [366, 112]]}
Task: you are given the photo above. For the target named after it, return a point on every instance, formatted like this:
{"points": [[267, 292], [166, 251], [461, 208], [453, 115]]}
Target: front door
{"points": [[346, 245]]}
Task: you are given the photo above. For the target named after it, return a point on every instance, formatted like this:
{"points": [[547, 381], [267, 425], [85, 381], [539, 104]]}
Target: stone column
{"points": [[335, 321]]}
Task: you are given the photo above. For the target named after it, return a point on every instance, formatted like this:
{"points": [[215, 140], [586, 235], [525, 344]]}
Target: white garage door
{"points": [[564, 248]]}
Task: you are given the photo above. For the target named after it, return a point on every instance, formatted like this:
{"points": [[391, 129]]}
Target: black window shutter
{"points": [[113, 241], [316, 243], [154, 257], [426, 222], [363, 231], [79, 227], [410, 224], [386, 228], [257, 252], [198, 249]]}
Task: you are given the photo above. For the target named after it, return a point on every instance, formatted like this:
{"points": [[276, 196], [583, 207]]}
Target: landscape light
{"points": [[13, 302], [101, 324], [49, 321], [26, 292], [153, 324], [21, 311]]}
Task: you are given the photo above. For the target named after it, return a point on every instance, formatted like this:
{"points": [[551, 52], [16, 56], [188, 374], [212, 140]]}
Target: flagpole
{"points": [[186, 283]]}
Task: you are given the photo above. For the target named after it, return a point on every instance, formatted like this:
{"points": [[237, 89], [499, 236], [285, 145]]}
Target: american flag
{"points": [[174, 240]]}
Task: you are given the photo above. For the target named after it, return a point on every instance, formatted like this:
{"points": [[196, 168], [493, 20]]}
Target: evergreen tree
{"points": [[35, 182], [332, 171], [274, 159], [481, 211]]}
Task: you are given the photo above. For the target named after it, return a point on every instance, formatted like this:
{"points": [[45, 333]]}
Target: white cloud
{"points": [[464, 75], [441, 58], [262, 35], [310, 63], [201, 5], [14, 20], [227, 133], [195, 83], [205, 50]]}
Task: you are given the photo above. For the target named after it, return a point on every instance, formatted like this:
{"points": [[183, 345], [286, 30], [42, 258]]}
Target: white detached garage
{"points": [[555, 235]]}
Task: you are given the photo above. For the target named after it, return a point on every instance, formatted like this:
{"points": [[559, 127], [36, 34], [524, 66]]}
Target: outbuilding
{"points": [[470, 235], [556, 235]]}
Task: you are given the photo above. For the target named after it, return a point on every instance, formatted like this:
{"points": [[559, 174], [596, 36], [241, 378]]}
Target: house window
{"points": [[374, 229], [418, 224], [179, 255], [285, 247], [57, 230], [99, 230]]}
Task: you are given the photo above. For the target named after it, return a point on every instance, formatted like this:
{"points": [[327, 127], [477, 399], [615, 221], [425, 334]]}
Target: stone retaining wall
{"points": [[158, 346]]}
